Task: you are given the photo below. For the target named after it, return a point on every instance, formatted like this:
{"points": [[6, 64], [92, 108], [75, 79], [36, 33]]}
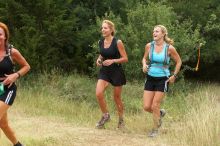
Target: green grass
{"points": [[193, 108]]}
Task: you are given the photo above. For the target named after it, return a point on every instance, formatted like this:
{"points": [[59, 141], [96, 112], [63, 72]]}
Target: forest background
{"points": [[56, 102], [63, 34]]}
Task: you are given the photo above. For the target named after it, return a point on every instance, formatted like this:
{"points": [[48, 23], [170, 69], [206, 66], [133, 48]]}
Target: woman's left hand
{"points": [[171, 79], [108, 62], [10, 79]]}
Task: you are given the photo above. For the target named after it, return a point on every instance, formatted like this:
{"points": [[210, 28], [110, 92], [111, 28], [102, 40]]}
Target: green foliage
{"points": [[51, 37], [64, 34], [205, 14]]}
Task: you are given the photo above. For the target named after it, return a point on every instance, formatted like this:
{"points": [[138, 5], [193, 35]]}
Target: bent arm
{"points": [[146, 53], [121, 49], [175, 56], [21, 61]]}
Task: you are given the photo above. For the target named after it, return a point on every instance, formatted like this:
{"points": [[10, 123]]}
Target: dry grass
{"points": [[45, 116]]}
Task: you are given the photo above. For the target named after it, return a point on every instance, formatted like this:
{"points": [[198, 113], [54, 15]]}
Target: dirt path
{"points": [[44, 131]]}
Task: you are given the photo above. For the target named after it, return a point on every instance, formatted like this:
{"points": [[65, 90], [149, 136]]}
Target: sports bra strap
{"points": [[166, 54]]}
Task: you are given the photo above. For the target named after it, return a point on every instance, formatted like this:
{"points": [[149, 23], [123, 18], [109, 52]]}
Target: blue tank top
{"points": [[159, 66]]}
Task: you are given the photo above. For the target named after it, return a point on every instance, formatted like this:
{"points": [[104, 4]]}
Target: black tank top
{"points": [[6, 65], [111, 52]]}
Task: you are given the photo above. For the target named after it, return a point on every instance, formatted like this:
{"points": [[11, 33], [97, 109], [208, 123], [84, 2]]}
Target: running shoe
{"points": [[121, 123], [105, 118], [153, 133], [19, 144], [162, 114]]}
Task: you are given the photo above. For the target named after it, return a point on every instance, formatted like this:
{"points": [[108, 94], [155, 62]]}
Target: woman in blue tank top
{"points": [[156, 66], [112, 54], [8, 57]]}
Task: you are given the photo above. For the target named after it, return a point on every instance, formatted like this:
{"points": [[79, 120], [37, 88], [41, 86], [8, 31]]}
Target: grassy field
{"points": [[53, 109]]}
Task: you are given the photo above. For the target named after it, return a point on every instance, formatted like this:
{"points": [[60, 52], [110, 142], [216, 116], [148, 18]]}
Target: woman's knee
{"points": [[99, 95], [147, 108]]}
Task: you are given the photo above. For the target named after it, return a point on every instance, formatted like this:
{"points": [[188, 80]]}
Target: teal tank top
{"points": [[159, 62]]}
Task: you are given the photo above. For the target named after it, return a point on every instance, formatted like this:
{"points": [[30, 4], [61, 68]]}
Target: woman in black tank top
{"points": [[112, 54], [9, 56]]}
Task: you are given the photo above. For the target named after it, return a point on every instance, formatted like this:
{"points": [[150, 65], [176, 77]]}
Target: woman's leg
{"points": [[3, 109], [118, 101], [158, 97], [100, 88], [7, 129], [4, 123], [148, 100], [119, 105]]}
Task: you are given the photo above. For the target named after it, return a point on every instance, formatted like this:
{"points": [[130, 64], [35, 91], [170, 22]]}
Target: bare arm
{"points": [[175, 56], [24, 67], [121, 49], [145, 58], [123, 55]]}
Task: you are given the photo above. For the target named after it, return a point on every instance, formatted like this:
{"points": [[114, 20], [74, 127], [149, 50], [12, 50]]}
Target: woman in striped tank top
{"points": [[8, 57]]}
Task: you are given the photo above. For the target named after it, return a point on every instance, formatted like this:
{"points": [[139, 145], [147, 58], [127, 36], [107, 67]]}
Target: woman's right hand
{"points": [[145, 68], [99, 62]]}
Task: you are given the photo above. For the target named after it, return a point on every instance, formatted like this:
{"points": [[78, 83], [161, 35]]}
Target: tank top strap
{"points": [[115, 45], [100, 42], [115, 41]]}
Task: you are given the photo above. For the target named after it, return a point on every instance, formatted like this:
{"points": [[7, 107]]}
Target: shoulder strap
{"points": [[151, 52], [100, 42], [115, 44], [115, 41], [166, 54]]}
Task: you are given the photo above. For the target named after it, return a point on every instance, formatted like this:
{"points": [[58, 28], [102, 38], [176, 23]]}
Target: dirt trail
{"points": [[44, 131]]}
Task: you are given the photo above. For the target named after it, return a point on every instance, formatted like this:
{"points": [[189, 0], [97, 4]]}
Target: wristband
{"points": [[175, 75], [19, 75]]}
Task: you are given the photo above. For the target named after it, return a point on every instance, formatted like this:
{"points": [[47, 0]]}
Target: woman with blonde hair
{"points": [[156, 66], [112, 55], [8, 57]]}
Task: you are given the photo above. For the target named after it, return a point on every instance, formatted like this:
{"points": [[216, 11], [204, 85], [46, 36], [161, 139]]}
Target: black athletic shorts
{"points": [[113, 74], [9, 95], [156, 84]]}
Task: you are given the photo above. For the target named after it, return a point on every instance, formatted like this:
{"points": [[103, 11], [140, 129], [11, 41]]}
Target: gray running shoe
{"points": [[19, 144], [153, 133], [105, 118], [121, 123], [162, 114]]}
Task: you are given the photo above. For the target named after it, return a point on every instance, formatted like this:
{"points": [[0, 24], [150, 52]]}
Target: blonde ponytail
{"points": [[168, 40]]}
